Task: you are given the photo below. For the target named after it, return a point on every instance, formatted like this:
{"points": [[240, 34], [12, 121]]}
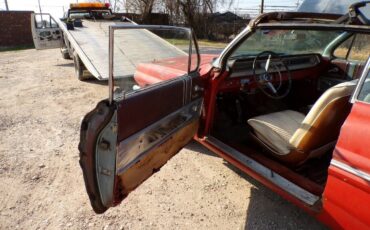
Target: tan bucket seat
{"points": [[293, 137]]}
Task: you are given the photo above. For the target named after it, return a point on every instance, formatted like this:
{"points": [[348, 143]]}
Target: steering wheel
{"points": [[269, 78]]}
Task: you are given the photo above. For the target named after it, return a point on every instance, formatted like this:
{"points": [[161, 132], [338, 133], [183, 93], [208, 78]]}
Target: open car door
{"points": [[45, 32], [129, 137]]}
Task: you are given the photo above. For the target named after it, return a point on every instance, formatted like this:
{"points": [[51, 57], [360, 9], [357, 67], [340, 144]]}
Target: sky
{"points": [[55, 7]]}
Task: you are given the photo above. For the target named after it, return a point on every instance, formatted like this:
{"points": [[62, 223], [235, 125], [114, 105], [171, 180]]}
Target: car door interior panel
{"points": [[153, 159], [131, 148], [135, 138], [165, 100], [149, 134]]}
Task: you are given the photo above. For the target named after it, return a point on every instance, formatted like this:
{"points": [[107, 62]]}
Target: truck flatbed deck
{"points": [[91, 44]]}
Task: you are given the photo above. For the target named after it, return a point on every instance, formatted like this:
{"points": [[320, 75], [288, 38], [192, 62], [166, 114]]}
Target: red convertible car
{"points": [[287, 102]]}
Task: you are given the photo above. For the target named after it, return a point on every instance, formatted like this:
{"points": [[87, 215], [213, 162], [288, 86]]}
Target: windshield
{"points": [[288, 41]]}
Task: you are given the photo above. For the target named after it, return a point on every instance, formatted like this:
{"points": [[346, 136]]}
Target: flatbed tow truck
{"points": [[83, 35]]}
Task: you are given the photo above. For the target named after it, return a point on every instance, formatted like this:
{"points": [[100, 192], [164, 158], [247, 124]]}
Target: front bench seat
{"points": [[293, 137]]}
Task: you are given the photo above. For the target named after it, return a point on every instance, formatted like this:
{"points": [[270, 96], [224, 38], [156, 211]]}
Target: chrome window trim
{"points": [[350, 169], [333, 45], [357, 91], [225, 53]]}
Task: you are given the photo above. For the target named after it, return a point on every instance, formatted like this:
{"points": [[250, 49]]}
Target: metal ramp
{"points": [[132, 46]]}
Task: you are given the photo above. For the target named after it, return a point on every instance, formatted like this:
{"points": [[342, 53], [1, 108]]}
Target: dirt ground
{"points": [[41, 184]]}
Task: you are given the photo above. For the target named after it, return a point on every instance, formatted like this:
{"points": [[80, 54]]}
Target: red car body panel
{"points": [[352, 147], [346, 199], [151, 73]]}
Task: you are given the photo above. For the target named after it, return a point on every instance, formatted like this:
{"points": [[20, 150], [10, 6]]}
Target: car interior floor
{"points": [[230, 127]]}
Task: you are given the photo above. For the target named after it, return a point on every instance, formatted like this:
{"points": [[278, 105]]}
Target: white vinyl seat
{"points": [[293, 137]]}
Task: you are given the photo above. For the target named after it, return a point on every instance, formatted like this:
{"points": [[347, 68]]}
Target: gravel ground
{"points": [[42, 186]]}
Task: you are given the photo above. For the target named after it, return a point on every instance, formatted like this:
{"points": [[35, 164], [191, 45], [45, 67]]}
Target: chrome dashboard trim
{"points": [[312, 61]]}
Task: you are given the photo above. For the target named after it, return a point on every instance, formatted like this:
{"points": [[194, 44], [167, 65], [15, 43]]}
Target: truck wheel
{"points": [[79, 68], [65, 55]]}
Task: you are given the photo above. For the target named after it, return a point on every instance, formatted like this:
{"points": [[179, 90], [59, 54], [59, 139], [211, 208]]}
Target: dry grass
{"points": [[356, 54]]}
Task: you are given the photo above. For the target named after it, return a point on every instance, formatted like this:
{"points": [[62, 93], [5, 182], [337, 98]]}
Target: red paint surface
{"points": [[346, 200], [154, 72]]}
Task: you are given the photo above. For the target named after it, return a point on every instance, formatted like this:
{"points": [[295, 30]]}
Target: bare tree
{"points": [[143, 7], [194, 13]]}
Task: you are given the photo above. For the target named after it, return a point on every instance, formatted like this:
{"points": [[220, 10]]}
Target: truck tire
{"points": [[80, 68], [65, 55]]}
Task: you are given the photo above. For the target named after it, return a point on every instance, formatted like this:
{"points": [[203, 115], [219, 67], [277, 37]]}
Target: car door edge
{"points": [[93, 125]]}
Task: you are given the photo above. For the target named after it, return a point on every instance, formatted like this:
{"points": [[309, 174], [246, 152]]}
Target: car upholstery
{"points": [[292, 137]]}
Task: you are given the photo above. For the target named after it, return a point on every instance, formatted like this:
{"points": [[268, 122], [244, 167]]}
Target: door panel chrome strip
{"points": [[132, 149], [267, 173], [361, 81], [350, 169]]}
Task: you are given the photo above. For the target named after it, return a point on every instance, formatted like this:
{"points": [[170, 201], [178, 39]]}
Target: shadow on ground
{"points": [[65, 64]]}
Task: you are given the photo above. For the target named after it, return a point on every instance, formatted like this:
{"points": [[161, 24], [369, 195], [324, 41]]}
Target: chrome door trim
{"points": [[267, 173], [361, 81], [135, 147], [357, 172]]}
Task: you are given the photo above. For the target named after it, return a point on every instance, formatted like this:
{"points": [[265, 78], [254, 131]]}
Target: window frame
{"points": [[189, 74], [354, 37], [50, 24], [360, 84]]}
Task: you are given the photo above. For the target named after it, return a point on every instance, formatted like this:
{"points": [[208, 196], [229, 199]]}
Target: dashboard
{"points": [[300, 67]]}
